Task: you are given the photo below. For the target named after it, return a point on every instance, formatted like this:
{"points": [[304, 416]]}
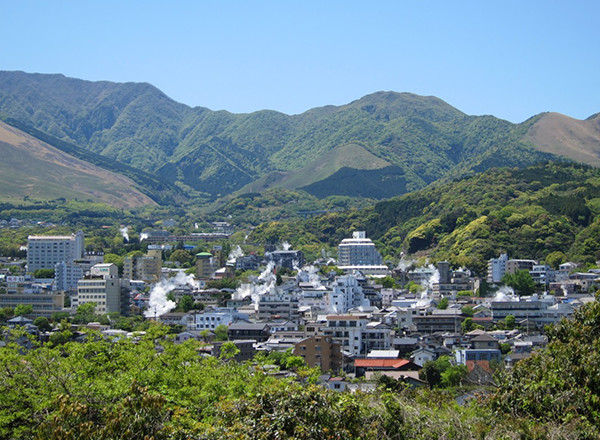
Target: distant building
{"points": [[146, 268], [346, 294], [286, 259], [320, 351], [102, 287], [45, 251], [359, 254], [498, 267], [206, 265]]}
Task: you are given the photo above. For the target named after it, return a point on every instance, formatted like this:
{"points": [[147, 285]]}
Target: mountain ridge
{"points": [[211, 154]]}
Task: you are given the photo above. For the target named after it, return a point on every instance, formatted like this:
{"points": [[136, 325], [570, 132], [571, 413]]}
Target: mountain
{"points": [[542, 212], [209, 154], [564, 136], [34, 169]]}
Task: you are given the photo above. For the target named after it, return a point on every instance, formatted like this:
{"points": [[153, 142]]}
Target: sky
{"points": [[510, 59]]}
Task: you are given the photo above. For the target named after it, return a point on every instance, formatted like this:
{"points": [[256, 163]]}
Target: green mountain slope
{"points": [[33, 169], [529, 213], [217, 153]]}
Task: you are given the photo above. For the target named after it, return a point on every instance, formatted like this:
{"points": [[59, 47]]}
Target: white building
{"points": [[346, 294], [210, 318], [102, 287], [358, 251], [497, 268], [45, 251], [347, 330], [67, 273]]}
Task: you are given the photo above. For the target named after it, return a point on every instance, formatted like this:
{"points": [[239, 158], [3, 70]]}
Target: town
{"points": [[352, 317]]}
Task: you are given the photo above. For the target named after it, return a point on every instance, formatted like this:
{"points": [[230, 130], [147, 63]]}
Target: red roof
{"points": [[381, 363]]}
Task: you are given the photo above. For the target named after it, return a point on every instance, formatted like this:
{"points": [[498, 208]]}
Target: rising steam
{"points": [[158, 303]]}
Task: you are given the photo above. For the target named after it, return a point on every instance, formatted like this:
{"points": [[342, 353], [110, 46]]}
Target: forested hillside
{"points": [[416, 139], [530, 213]]}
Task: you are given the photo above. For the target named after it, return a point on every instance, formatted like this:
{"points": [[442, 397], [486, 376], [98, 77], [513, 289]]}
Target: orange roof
{"points": [[380, 363]]}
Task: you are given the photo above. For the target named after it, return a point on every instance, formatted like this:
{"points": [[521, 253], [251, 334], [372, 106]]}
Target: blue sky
{"points": [[511, 59]]}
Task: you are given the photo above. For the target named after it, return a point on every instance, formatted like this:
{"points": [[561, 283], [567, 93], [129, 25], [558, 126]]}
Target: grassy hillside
{"points": [[564, 136], [423, 139], [32, 169]]}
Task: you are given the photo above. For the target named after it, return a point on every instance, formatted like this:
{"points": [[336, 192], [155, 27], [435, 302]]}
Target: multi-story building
{"points": [[288, 259], [358, 251], [102, 287], [45, 251], [320, 351], [23, 291], [67, 273], [346, 294], [146, 268], [347, 330], [278, 304], [206, 265], [498, 267], [210, 318]]}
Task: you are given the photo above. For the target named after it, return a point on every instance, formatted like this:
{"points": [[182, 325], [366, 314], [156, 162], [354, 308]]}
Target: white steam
{"points": [[309, 274], [158, 303], [124, 233], [505, 293], [266, 281], [235, 253], [143, 236], [286, 246]]}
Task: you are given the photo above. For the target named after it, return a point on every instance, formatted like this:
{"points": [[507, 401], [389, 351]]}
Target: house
{"points": [[423, 355], [243, 330], [361, 366]]}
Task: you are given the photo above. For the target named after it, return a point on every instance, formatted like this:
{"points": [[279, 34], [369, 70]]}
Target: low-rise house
{"points": [[243, 330], [361, 366]]}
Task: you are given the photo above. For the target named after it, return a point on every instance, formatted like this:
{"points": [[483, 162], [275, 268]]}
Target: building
{"points": [[346, 294], [278, 305], [347, 330], [358, 251], [498, 267], [206, 265], [211, 318], [67, 273], [146, 268], [243, 330], [288, 259], [320, 351], [45, 251], [102, 287], [44, 303]]}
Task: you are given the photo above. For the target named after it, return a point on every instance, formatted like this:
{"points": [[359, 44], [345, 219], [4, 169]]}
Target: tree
{"points": [[44, 273], [221, 332], [42, 323], [510, 322], [182, 256], [186, 303], [23, 309], [85, 313], [468, 325], [521, 281], [443, 304], [229, 350], [467, 311]]}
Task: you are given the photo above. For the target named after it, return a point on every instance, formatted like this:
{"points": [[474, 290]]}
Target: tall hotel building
{"points": [[45, 251]]}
